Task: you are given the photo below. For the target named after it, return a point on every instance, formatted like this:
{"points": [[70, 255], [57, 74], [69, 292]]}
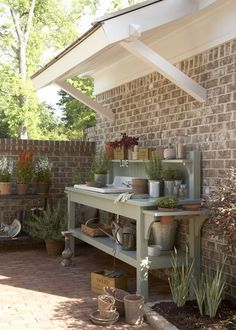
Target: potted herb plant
{"points": [[47, 226], [169, 177], [6, 170], [42, 174], [24, 171], [154, 172], [164, 231], [100, 169]]}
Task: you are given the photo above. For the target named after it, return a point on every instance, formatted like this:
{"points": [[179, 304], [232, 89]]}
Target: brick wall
{"points": [[64, 156], [157, 110]]}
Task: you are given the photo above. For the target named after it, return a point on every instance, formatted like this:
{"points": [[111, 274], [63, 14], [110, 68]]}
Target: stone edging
{"points": [[155, 320]]}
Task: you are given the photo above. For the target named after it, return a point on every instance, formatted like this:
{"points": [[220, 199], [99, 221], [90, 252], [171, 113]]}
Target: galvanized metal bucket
{"points": [[164, 235]]}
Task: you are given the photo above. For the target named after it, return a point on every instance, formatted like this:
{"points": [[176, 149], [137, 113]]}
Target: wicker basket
{"points": [[95, 229]]}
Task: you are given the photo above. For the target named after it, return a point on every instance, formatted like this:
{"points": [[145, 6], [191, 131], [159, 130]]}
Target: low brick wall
{"points": [[64, 156]]}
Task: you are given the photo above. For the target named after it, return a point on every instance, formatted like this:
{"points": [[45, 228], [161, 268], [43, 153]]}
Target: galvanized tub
{"points": [[164, 235]]}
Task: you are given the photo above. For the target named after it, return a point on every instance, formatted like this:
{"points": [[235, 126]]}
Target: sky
{"points": [[49, 94]]}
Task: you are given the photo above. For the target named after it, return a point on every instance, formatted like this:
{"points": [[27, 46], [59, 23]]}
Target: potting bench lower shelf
{"points": [[142, 212]]}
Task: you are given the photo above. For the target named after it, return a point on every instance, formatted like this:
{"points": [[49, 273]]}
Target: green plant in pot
{"points": [[169, 177], [47, 226], [6, 170], [154, 172], [100, 169], [167, 204], [164, 231], [42, 174]]}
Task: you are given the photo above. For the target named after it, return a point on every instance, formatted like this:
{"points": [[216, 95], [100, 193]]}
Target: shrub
{"points": [[222, 206], [6, 170]]}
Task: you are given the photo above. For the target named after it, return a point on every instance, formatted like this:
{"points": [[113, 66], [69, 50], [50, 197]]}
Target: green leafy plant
{"points": [[214, 286], [24, 170], [6, 170], [42, 171], [170, 174], [222, 206], [154, 168], [179, 280], [84, 177], [167, 202], [100, 164], [49, 223], [199, 291]]}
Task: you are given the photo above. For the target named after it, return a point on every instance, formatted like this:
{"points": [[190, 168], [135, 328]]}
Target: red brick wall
{"points": [[156, 110], [64, 156]]}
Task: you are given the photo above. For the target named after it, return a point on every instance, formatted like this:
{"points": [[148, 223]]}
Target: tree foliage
{"points": [[31, 33], [77, 116]]}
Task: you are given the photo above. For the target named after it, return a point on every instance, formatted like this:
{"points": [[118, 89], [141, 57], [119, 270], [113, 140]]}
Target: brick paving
{"points": [[36, 292]]}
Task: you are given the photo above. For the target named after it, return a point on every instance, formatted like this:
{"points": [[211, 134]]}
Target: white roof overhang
{"points": [[111, 54]]}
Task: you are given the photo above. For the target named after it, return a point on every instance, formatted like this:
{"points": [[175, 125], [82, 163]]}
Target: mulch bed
{"points": [[188, 316]]}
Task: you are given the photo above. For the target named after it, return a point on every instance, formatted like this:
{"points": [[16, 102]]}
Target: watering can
{"points": [[125, 236]]}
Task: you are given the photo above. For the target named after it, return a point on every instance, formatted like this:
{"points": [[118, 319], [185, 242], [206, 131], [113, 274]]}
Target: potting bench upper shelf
{"points": [[144, 213], [189, 169]]}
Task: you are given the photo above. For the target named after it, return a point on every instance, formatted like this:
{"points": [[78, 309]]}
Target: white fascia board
{"points": [[84, 50], [150, 17], [77, 94], [168, 70]]}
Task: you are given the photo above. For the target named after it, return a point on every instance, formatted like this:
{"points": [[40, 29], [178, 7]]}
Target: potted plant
{"points": [[47, 226], [169, 177], [100, 169], [24, 171], [42, 174], [166, 203], [122, 146], [154, 172], [164, 231], [6, 170]]}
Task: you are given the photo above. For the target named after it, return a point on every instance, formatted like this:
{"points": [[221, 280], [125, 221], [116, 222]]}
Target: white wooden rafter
{"points": [[168, 70], [68, 88]]}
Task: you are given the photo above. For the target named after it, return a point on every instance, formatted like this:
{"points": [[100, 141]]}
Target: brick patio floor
{"points": [[36, 292]]}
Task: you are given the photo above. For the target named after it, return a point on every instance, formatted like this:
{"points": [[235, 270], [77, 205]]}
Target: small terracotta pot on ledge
{"points": [[166, 219], [43, 187], [22, 188]]}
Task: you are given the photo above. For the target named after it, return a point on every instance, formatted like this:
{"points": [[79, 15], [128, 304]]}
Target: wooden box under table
{"points": [[99, 281]]}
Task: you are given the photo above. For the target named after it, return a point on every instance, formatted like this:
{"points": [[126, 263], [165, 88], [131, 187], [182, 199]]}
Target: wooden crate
{"points": [[120, 153], [99, 281], [143, 153]]}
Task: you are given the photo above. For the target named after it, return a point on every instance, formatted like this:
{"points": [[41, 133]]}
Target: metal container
{"points": [[129, 241], [169, 188], [164, 235], [154, 188]]}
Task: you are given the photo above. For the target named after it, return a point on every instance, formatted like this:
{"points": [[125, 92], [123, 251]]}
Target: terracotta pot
{"points": [[43, 187], [109, 151], [54, 247], [167, 219], [5, 188], [22, 188], [140, 186]]}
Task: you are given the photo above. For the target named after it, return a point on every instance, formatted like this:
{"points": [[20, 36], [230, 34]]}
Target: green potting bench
{"points": [[144, 213]]}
